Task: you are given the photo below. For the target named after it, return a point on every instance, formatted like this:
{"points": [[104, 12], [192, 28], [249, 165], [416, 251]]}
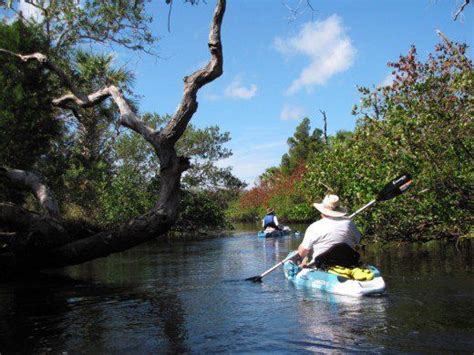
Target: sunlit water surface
{"points": [[191, 297]]}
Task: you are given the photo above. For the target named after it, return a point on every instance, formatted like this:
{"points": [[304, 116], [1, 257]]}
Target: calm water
{"points": [[191, 298]]}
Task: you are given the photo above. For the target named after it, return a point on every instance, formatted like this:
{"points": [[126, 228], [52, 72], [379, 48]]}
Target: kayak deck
{"points": [[331, 283], [276, 233]]}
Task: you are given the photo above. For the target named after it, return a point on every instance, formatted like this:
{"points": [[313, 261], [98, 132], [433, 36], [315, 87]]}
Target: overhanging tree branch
{"points": [[157, 221], [461, 9], [198, 79], [128, 118], [41, 191]]}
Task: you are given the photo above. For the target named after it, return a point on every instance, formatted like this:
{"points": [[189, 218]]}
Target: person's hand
{"points": [[296, 258]]}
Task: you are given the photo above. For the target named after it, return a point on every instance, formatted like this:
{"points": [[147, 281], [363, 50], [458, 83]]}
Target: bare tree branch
{"points": [[447, 41], [43, 60], [325, 127], [461, 9], [170, 2], [84, 101], [158, 220], [299, 9], [188, 106], [41, 191], [128, 117], [444, 38], [193, 83]]}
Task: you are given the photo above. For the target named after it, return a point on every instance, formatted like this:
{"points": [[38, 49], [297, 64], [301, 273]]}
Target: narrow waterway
{"points": [[191, 297]]}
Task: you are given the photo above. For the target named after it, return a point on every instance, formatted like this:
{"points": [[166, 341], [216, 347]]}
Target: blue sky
{"points": [[278, 70]]}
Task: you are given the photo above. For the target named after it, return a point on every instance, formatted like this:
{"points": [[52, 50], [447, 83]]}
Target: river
{"points": [[191, 297]]}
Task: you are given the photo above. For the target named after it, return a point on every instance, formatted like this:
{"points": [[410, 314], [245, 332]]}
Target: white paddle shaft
{"points": [[362, 208], [275, 266]]}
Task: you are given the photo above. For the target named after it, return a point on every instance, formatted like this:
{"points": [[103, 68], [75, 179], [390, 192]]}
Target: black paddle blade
{"points": [[254, 279], [395, 187]]}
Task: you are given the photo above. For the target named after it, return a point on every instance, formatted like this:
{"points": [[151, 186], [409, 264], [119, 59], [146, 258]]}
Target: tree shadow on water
{"points": [[58, 313]]}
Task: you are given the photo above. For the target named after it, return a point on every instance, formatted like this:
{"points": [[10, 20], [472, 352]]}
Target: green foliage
{"points": [[27, 121], [201, 211], [98, 173], [127, 195], [134, 186], [301, 146], [68, 23], [84, 153], [421, 124], [280, 187]]}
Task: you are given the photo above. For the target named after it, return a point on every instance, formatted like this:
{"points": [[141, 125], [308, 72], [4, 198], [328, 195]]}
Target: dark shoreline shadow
{"points": [[53, 312]]}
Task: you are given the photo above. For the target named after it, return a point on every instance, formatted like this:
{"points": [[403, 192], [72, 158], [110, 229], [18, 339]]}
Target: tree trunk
{"points": [[41, 242]]}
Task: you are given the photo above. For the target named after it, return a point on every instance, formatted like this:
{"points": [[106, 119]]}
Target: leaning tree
{"points": [[38, 241]]}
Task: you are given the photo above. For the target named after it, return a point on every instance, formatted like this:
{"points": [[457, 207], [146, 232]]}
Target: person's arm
{"points": [[263, 222], [275, 220], [303, 253], [305, 247], [312, 236]]}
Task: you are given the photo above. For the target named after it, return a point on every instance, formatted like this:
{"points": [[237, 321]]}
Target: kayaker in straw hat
{"points": [[332, 238], [270, 221]]}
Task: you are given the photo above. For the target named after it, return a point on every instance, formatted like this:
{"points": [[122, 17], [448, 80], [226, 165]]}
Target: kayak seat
{"points": [[339, 254]]}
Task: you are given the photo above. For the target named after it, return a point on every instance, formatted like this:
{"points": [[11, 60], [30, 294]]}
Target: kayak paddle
{"points": [[393, 189]]}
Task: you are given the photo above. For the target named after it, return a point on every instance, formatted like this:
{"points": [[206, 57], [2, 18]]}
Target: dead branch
{"points": [[198, 79], [325, 127], [66, 250], [444, 38], [461, 9], [43, 60], [128, 118], [448, 42], [40, 190]]}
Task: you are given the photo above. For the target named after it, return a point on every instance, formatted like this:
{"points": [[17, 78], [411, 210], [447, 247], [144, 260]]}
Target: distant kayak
{"points": [[275, 233], [334, 283]]}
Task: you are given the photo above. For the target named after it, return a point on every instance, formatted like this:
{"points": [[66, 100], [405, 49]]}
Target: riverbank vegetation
{"points": [[421, 123], [84, 173]]}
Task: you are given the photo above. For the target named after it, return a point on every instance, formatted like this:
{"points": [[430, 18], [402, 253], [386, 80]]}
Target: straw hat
{"points": [[270, 210], [331, 206]]}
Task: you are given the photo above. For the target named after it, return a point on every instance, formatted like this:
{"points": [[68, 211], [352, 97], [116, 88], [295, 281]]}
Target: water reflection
{"points": [[192, 297], [57, 313], [340, 323]]}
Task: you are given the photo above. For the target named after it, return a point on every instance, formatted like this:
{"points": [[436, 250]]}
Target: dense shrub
{"points": [[421, 124]]}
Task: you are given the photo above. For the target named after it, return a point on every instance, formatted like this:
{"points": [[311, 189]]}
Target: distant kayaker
{"points": [[270, 221], [332, 238]]}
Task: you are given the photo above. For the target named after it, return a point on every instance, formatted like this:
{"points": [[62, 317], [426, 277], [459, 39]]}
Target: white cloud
{"points": [[388, 81], [251, 160], [328, 48], [30, 11], [292, 112], [236, 90]]}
